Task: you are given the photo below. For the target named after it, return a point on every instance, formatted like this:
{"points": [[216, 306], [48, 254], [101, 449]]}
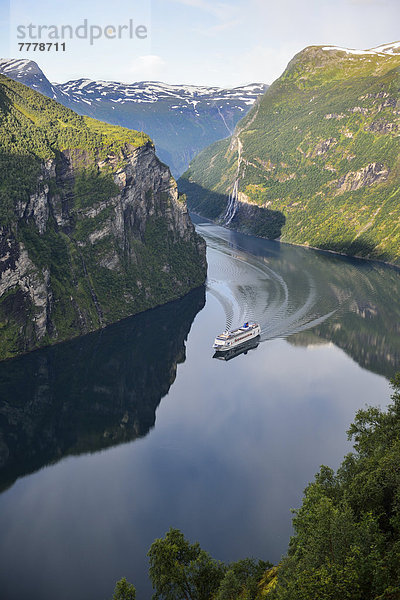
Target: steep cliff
{"points": [[316, 161], [91, 226]]}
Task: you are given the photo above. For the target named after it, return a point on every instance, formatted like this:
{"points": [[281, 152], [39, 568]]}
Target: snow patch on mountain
{"points": [[155, 91], [28, 72], [178, 97], [393, 48]]}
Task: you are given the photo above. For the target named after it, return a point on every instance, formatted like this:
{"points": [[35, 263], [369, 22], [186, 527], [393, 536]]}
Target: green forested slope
{"points": [[34, 129], [321, 151], [91, 228]]}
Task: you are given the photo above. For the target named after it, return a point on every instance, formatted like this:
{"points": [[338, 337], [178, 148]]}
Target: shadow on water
{"points": [[93, 392]]}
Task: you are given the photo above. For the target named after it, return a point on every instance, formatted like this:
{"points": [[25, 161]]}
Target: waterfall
{"points": [[233, 201], [232, 204]]}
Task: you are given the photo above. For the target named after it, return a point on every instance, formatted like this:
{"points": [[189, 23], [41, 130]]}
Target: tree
{"points": [[182, 571], [124, 590], [347, 532], [241, 580]]}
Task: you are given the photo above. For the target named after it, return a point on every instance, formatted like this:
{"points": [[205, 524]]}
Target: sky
{"points": [[205, 42]]}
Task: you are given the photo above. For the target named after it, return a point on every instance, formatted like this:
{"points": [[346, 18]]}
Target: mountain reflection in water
{"points": [[306, 296], [93, 392], [235, 441]]}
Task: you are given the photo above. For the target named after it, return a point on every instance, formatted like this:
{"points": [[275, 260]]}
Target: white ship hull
{"points": [[232, 339]]}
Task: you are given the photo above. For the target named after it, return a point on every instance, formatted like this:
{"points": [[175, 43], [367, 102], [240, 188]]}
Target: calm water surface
{"points": [[107, 441]]}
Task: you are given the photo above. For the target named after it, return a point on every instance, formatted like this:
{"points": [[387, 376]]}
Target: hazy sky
{"points": [[206, 42]]}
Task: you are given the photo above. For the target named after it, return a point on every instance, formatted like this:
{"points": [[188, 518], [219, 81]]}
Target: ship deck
{"points": [[228, 335]]}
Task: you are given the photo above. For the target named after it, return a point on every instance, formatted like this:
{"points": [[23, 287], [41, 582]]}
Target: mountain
{"points": [[91, 226], [181, 119], [317, 161], [28, 73]]}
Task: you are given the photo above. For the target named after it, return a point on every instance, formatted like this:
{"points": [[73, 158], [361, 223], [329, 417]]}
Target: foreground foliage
{"points": [[124, 590], [346, 544], [347, 531], [183, 571]]}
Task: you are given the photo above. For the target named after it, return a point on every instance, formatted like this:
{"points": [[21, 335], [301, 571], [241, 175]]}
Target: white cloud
{"points": [[149, 66]]}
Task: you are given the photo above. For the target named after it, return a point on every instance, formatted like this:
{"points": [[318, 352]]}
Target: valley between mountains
{"points": [[317, 161], [180, 119], [94, 229]]}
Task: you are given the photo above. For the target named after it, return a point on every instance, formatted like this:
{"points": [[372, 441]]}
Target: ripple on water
{"points": [[248, 288]]}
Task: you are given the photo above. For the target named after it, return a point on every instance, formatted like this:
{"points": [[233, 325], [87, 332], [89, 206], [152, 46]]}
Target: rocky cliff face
{"points": [[316, 161], [91, 226], [104, 249]]}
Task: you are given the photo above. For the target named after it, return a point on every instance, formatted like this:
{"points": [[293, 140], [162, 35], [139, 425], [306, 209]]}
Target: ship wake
{"points": [[248, 288]]}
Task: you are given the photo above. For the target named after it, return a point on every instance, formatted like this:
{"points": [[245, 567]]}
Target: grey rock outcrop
{"points": [[367, 176], [55, 258]]}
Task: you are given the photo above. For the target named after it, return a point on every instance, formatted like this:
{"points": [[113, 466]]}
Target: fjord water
{"points": [[109, 440]]}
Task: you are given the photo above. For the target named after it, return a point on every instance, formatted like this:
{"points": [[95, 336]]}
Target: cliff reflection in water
{"points": [[367, 323], [94, 392]]}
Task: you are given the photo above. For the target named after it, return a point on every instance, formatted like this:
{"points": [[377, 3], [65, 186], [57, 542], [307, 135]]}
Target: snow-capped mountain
{"points": [[28, 73], [155, 91], [393, 48], [181, 119]]}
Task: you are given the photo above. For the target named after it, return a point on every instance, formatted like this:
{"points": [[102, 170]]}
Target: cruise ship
{"points": [[231, 339]]}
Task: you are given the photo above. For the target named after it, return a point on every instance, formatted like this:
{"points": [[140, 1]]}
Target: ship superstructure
{"points": [[230, 339]]}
